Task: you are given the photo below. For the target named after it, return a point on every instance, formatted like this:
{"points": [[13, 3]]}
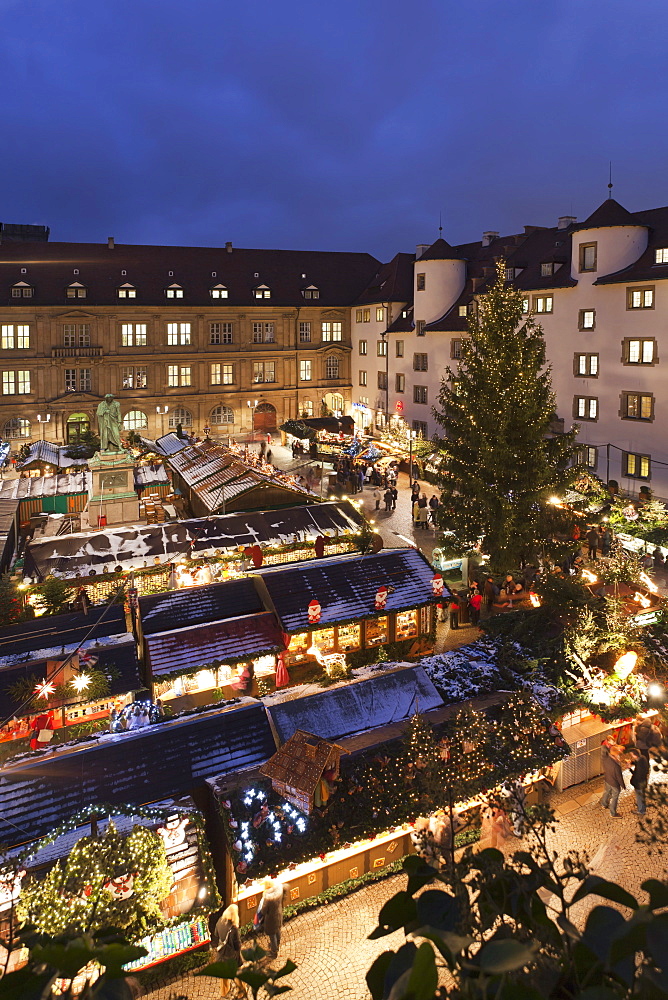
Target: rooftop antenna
{"points": [[440, 225], [610, 182]]}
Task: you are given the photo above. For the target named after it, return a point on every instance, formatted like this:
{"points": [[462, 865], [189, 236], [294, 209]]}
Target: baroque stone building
{"points": [[232, 339]]}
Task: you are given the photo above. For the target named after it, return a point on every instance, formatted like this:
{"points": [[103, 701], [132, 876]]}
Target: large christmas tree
{"points": [[501, 463]]}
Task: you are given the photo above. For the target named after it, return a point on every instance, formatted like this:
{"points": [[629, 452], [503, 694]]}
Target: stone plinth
{"points": [[112, 493]]}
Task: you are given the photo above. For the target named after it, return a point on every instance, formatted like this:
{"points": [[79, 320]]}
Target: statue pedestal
{"points": [[112, 493]]}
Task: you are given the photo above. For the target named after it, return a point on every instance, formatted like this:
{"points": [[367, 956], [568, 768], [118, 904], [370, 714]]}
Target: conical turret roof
{"points": [[609, 214], [440, 250]]}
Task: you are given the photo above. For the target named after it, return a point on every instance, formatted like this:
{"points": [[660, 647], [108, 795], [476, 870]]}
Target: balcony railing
{"points": [[76, 352]]}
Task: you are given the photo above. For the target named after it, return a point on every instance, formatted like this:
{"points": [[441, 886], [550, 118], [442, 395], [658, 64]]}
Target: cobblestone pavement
{"points": [[330, 944]]}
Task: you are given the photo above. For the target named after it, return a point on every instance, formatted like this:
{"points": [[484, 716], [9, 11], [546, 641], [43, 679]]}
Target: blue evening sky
{"points": [[341, 125]]}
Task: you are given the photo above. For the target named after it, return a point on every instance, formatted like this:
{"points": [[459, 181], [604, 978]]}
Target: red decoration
{"points": [[437, 585], [399, 406], [320, 546], [42, 731], [314, 611], [256, 556], [282, 675], [381, 598]]}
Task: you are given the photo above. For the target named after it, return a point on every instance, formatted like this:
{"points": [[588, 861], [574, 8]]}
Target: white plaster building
{"points": [[595, 287]]}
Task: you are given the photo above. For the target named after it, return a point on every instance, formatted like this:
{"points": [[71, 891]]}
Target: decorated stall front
{"points": [[146, 871]]}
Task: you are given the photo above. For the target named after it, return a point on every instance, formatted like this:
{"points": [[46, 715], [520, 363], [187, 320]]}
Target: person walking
{"points": [[592, 542], [395, 496], [226, 943], [269, 913], [415, 492], [454, 611], [612, 776], [423, 517], [377, 495], [434, 504], [639, 779], [475, 605], [422, 500], [647, 736], [388, 500]]}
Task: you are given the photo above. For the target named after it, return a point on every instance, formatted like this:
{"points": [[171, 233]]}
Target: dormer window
{"points": [[549, 268], [76, 290], [219, 292], [126, 291], [22, 290], [661, 255], [174, 291], [311, 292], [462, 310], [262, 292]]}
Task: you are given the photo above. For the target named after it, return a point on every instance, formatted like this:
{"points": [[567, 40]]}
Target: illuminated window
{"points": [[348, 637], [588, 256], [376, 631], [331, 331], [640, 298], [262, 292], [219, 292], [179, 375], [640, 352], [661, 256], [178, 333], [180, 416], [362, 346], [17, 427], [264, 371], [636, 466], [77, 291], [15, 336], [637, 406], [363, 379], [462, 311], [406, 626], [304, 371], [135, 420], [543, 303], [421, 282], [174, 292], [381, 348], [400, 383], [15, 383], [126, 291], [324, 638], [587, 456], [380, 314], [133, 334], [585, 408], [587, 319], [586, 365], [134, 377]]}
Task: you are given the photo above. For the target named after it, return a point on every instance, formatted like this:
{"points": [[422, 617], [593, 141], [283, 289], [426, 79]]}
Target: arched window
{"points": [[180, 416], [135, 420], [332, 367], [222, 415], [17, 427]]}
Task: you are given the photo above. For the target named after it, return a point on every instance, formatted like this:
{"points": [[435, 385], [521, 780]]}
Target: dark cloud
{"points": [[342, 126]]}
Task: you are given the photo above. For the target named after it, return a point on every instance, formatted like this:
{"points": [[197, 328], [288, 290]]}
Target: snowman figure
{"points": [[437, 585], [314, 611], [121, 887], [381, 598], [173, 833]]}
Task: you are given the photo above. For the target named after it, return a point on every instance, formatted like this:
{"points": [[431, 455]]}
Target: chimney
{"points": [[489, 237], [420, 249], [110, 242], [228, 247], [566, 220]]}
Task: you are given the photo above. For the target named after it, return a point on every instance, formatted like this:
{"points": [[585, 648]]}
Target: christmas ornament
{"points": [[314, 611], [381, 598], [121, 887]]}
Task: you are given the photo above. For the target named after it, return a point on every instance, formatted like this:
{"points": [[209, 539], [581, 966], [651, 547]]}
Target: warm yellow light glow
{"points": [[640, 599], [535, 600], [44, 690], [654, 690], [555, 501], [625, 664], [80, 682], [589, 576], [649, 583], [327, 660]]}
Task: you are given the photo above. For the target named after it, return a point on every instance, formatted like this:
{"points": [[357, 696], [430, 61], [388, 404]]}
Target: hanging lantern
{"points": [[314, 611], [381, 598], [437, 585]]}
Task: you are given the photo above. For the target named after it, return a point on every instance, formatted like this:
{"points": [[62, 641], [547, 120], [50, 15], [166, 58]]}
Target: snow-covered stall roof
{"points": [[357, 707], [184, 649], [147, 475], [346, 586], [51, 454], [168, 444], [199, 605], [139, 546], [45, 486], [48, 636], [168, 759]]}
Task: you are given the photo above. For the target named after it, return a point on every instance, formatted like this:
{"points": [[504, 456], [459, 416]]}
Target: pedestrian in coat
{"points": [[647, 736], [592, 542], [377, 495], [422, 500], [475, 604], [434, 504], [489, 593], [639, 779], [612, 776], [226, 942], [415, 492], [423, 518], [388, 499], [395, 496], [454, 611], [270, 913]]}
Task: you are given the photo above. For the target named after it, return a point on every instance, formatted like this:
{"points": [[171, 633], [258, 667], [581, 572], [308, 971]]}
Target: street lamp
{"points": [[387, 378], [411, 437], [162, 410], [44, 420], [251, 404]]}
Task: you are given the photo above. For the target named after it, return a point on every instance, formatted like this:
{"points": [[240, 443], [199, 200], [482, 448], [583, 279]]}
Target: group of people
{"points": [[616, 758], [424, 511]]}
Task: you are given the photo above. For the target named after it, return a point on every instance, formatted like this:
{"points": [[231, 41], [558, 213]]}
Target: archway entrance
{"points": [[264, 418], [78, 424]]}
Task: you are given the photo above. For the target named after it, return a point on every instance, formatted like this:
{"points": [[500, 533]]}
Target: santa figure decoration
{"points": [[437, 585], [121, 887], [314, 611], [42, 731], [381, 598], [173, 833]]}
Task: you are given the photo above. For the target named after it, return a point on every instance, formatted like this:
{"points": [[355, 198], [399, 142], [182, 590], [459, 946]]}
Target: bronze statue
{"points": [[109, 424]]}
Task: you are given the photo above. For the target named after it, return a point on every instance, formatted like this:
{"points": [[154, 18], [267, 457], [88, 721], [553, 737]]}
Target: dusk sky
{"points": [[344, 125]]}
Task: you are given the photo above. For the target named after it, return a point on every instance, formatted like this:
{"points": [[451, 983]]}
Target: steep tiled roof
{"points": [[196, 605], [403, 323], [441, 250], [339, 277], [375, 701], [346, 586], [392, 283], [609, 213], [184, 649], [160, 761]]}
